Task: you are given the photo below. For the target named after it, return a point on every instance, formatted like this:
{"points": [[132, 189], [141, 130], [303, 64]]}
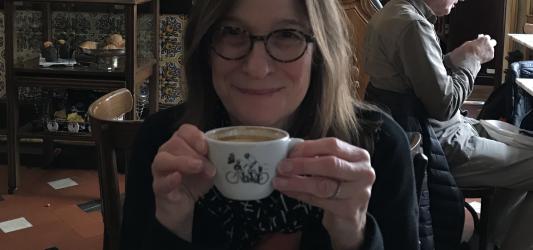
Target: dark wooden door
{"points": [[175, 7], [473, 17]]}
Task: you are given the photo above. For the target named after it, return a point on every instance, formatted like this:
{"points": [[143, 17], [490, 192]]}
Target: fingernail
{"points": [[210, 171], [285, 167], [200, 146]]}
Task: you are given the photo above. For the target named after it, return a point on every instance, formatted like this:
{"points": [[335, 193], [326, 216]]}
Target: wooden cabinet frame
{"points": [[134, 74]]}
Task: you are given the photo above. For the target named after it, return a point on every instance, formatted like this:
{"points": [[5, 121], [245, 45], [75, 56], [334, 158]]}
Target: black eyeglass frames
{"points": [[283, 45]]}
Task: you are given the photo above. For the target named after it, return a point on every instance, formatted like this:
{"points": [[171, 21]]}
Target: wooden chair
{"points": [[420, 160], [485, 193], [528, 28], [113, 137], [481, 222], [359, 13]]}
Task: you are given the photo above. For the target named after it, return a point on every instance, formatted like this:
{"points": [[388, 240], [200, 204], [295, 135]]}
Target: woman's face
{"points": [[256, 89]]}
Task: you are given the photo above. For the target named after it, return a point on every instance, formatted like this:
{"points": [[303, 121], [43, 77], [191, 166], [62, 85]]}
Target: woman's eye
{"points": [[287, 35], [232, 36], [232, 31]]}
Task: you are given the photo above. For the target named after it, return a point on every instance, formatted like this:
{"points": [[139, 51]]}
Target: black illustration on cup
{"points": [[246, 170]]}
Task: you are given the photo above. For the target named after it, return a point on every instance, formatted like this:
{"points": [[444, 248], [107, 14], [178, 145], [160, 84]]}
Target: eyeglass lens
{"points": [[283, 45]]}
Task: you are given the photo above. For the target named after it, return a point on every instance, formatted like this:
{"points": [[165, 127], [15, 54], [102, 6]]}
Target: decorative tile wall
{"points": [[95, 26], [146, 36], [77, 27], [172, 85], [28, 35]]}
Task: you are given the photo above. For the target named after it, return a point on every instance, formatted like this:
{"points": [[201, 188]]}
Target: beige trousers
{"points": [[479, 161]]}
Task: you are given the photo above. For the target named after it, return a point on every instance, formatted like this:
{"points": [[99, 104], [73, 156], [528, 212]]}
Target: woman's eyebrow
{"points": [[282, 23], [291, 22], [231, 19]]}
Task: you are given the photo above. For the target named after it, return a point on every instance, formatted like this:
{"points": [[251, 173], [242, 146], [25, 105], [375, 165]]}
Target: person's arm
{"points": [[315, 236], [140, 228], [393, 202], [373, 240], [441, 92]]}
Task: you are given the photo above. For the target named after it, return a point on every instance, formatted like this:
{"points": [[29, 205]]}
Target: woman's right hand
{"points": [[182, 174]]}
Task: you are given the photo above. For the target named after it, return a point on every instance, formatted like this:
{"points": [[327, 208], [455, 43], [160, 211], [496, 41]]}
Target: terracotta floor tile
{"points": [[87, 225], [61, 223]]}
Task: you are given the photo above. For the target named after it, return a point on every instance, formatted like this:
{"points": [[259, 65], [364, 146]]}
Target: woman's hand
{"points": [[335, 176], [182, 174]]}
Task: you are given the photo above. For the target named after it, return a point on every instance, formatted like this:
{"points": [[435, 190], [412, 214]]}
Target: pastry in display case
{"points": [[89, 45]]}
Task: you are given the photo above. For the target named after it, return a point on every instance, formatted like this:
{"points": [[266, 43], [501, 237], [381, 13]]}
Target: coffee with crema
{"points": [[246, 158], [247, 138]]}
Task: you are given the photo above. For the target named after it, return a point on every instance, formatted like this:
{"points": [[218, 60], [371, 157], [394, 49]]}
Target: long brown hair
{"points": [[329, 108]]}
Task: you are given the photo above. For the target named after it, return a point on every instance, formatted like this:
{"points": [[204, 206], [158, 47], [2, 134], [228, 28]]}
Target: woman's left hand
{"points": [[335, 176]]}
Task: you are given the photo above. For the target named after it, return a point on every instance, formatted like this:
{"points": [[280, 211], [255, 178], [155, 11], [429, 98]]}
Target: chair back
{"points": [[528, 28], [114, 137], [359, 13], [420, 161]]}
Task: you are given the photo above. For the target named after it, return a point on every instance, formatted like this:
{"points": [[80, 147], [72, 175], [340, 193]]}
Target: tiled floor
{"points": [[56, 218]]}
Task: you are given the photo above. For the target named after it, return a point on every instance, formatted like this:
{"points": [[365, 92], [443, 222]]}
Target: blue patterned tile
{"points": [[171, 71], [2, 24], [96, 26], [172, 85], [28, 37], [173, 25], [172, 93], [171, 48]]}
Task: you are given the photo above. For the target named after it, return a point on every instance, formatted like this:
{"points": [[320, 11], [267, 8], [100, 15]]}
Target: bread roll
{"points": [[110, 46], [115, 39], [89, 45], [47, 44]]}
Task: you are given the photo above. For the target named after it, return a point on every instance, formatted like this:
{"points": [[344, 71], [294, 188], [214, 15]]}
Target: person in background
{"points": [[403, 57], [284, 64]]}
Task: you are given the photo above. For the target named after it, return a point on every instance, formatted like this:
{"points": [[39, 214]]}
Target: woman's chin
{"points": [[260, 121]]}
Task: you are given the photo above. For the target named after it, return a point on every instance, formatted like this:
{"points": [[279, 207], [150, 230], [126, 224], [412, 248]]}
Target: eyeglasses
{"points": [[283, 45]]}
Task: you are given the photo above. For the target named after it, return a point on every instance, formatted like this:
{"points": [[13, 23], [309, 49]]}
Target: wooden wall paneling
{"points": [[510, 27], [359, 13]]}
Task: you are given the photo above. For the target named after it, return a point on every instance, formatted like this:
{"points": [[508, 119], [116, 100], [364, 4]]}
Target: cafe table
{"points": [[523, 39], [526, 84]]}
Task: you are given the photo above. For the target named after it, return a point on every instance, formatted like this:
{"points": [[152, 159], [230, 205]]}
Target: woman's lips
{"points": [[258, 92]]}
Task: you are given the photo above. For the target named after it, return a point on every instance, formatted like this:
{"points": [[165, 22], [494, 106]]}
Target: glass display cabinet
{"points": [[76, 45]]}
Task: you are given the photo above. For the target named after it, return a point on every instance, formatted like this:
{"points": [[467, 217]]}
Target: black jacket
{"points": [[442, 218], [392, 213]]}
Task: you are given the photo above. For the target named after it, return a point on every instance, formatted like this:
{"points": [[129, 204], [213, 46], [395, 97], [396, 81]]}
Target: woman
{"points": [[279, 63]]}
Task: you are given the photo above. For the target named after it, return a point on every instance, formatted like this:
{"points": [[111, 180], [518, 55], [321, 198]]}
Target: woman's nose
{"points": [[258, 64]]}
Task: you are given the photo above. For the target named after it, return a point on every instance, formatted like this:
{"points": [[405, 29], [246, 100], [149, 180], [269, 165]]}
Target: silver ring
{"points": [[337, 191]]}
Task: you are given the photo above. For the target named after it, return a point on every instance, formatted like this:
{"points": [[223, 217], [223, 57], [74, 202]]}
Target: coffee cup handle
{"points": [[294, 141]]}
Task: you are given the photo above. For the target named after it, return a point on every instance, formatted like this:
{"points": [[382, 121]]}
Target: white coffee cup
{"points": [[246, 158]]}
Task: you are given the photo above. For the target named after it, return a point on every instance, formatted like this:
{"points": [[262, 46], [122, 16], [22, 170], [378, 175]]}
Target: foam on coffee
{"points": [[246, 138], [247, 134]]}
